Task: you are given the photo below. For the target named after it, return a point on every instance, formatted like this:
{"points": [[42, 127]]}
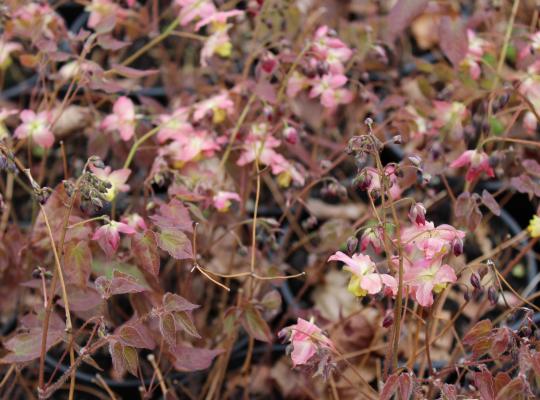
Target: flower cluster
{"points": [[260, 145], [324, 71], [425, 248]]}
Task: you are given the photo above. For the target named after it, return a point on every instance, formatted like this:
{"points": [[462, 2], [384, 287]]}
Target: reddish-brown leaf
{"points": [[173, 215], [479, 331], [27, 346], [489, 201], [402, 14], [453, 39], [192, 358], [484, 382], [135, 334], [173, 302]]}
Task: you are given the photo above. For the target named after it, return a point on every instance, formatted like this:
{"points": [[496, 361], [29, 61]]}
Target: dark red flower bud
{"points": [[352, 244], [388, 319], [457, 247], [493, 296], [475, 281]]}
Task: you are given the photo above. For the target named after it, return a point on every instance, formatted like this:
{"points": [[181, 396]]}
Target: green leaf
{"points": [[175, 242], [77, 262], [144, 248], [131, 359], [255, 325]]}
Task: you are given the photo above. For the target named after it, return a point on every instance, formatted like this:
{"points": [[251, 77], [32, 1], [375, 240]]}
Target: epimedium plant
{"points": [[187, 183]]}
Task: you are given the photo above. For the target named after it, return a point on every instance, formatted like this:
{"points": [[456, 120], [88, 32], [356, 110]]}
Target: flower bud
{"points": [[457, 247], [291, 135], [493, 296], [388, 319], [475, 281], [352, 244], [417, 214]]}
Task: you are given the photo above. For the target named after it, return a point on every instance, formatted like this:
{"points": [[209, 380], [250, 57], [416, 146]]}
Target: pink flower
{"points": [[222, 200], [190, 147], [175, 125], [261, 147], [117, 179], [326, 87], [296, 83], [37, 127], [475, 52], [219, 106], [426, 277], [307, 340], [364, 277], [476, 162], [330, 50], [193, 9], [122, 119], [135, 221], [531, 47], [108, 236], [6, 48]]}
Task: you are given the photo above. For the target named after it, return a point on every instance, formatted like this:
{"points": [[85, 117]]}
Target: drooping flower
{"points": [[218, 42], [473, 58], [135, 221], [364, 277], [122, 119], [450, 117], [219, 106], [426, 277], [108, 236], [117, 179], [534, 227], [372, 237], [6, 48], [307, 341], [222, 200], [476, 162], [37, 127], [372, 181]]}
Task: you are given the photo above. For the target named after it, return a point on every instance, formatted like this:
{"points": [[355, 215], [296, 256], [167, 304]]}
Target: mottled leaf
{"points": [[175, 242], [173, 215], [167, 327], [145, 250], [479, 331], [77, 262], [484, 382], [184, 320], [173, 302], [135, 334], [119, 284]]}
